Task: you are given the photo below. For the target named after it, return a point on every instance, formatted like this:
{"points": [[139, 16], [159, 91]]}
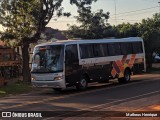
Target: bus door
{"points": [[71, 64]]}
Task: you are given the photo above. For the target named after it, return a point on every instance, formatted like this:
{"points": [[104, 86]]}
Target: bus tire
{"points": [[126, 78], [57, 89], [83, 83]]}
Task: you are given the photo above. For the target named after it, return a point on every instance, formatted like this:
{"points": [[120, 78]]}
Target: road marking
{"points": [[96, 106], [121, 100], [67, 96]]}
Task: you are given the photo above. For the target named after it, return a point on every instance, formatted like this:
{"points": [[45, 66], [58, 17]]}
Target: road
{"points": [[141, 94]]}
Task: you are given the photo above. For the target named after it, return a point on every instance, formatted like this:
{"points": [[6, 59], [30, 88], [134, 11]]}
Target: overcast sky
{"points": [[126, 11]]}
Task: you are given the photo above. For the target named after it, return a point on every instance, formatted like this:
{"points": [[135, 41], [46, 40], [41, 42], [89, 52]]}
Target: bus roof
{"points": [[66, 42]]}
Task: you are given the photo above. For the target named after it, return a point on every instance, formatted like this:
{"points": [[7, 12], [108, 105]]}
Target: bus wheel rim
{"points": [[83, 83], [127, 76]]}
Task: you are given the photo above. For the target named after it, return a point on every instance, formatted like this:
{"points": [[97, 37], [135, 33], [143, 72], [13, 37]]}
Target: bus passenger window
{"points": [[104, 49], [117, 49], [86, 51], [137, 47], [100, 50], [111, 49], [129, 48], [123, 48]]}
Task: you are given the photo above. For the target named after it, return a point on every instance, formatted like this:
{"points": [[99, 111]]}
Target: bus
{"points": [[68, 63]]}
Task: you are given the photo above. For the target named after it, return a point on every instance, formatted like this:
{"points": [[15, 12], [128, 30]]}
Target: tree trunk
{"points": [[149, 60], [25, 55], [149, 52]]}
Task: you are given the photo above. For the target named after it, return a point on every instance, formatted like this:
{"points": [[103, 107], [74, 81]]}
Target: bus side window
{"points": [[129, 48], [137, 47], [86, 51], [100, 50], [123, 48], [114, 49], [104, 48], [96, 50], [117, 49], [111, 49]]}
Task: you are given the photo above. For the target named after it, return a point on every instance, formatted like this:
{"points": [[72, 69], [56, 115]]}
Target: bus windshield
{"points": [[48, 59]]}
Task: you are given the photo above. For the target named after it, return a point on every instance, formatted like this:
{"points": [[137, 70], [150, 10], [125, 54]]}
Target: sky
{"points": [[120, 11], [126, 11]]}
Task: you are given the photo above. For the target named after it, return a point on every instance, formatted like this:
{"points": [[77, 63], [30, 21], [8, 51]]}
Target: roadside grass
{"points": [[16, 88]]}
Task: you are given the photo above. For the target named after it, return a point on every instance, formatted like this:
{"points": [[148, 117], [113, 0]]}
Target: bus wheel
{"points": [[126, 78], [83, 83], [57, 89]]}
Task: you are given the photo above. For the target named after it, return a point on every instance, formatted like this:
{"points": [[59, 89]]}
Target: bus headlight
{"points": [[58, 78], [33, 79]]}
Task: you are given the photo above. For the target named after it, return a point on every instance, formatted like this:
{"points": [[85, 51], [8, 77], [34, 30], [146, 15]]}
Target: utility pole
{"points": [[159, 6], [115, 11]]}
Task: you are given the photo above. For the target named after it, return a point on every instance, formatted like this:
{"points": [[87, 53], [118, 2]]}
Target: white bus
{"points": [[63, 64]]}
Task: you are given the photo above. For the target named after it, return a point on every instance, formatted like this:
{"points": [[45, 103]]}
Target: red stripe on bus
{"points": [[116, 67], [132, 60]]}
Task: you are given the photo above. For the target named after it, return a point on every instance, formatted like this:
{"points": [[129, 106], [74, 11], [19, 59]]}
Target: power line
{"points": [[135, 14], [108, 19], [136, 10], [62, 21], [74, 20], [119, 14], [125, 20]]}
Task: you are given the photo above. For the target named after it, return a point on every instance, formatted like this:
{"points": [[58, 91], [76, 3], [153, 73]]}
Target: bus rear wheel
{"points": [[83, 83], [126, 78]]}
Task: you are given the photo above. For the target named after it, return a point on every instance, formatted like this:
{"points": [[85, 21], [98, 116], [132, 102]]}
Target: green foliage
{"points": [[150, 32], [17, 88], [93, 24], [126, 30], [27, 18], [16, 19], [82, 3]]}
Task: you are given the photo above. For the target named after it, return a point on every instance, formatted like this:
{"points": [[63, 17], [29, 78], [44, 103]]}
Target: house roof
{"points": [[60, 36], [2, 44], [53, 33]]}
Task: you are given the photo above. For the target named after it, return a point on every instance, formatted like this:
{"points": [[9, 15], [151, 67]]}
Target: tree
{"points": [[126, 30], [150, 32], [93, 24], [24, 21]]}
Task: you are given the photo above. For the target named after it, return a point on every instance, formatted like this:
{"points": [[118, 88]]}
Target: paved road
{"points": [[142, 93]]}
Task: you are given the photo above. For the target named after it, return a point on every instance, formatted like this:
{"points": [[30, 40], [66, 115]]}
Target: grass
{"points": [[16, 88]]}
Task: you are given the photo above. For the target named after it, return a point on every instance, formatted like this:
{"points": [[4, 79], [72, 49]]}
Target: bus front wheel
{"points": [[126, 78], [83, 83]]}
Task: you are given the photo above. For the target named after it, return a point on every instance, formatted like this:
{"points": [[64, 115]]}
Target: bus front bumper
{"points": [[50, 84], [50, 80]]}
